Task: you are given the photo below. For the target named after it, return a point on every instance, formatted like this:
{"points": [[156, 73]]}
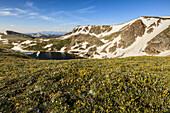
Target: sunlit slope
{"points": [[133, 84]]}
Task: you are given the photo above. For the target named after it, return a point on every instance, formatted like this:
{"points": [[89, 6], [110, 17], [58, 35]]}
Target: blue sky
{"points": [[64, 15]]}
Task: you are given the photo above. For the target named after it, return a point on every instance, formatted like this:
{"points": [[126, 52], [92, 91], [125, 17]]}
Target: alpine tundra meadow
{"points": [[84, 56]]}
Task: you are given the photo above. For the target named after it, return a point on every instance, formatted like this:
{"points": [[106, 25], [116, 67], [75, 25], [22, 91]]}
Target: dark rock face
{"points": [[94, 29], [159, 43], [150, 30], [152, 25], [112, 36], [100, 29], [113, 49], [130, 33], [158, 22]]}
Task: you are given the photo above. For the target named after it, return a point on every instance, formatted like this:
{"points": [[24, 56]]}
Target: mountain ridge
{"points": [[149, 23], [111, 41]]}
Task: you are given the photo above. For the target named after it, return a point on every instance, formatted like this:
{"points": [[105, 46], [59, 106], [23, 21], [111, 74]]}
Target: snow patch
{"points": [[62, 49], [164, 53], [38, 53], [104, 41], [137, 48], [41, 40], [5, 41], [27, 42], [47, 46], [84, 45], [150, 21], [166, 17], [18, 47], [0, 37], [74, 46], [5, 33]]}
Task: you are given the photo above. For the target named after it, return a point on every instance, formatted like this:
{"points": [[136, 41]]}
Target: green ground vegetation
{"points": [[134, 84]]}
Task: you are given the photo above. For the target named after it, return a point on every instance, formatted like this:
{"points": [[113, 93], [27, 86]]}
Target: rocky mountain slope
{"points": [[141, 36]]}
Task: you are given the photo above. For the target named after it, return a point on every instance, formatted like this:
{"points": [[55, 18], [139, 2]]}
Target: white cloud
{"points": [[29, 4], [7, 9], [20, 10], [20, 13], [32, 14], [87, 10], [66, 15], [7, 13], [47, 18]]}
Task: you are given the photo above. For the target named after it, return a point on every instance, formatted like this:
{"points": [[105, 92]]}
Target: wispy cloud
{"points": [[7, 9], [87, 10], [29, 4], [33, 14], [47, 18], [24, 13], [20, 10], [7, 13], [87, 2], [11, 11], [71, 15]]}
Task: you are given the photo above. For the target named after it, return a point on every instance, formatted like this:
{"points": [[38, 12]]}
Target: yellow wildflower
{"points": [[17, 104]]}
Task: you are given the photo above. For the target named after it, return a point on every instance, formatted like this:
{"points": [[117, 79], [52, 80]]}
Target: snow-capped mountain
{"points": [[141, 36]]}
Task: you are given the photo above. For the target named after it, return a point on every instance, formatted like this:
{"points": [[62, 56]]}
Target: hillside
{"points": [[141, 36], [12, 36], [133, 84]]}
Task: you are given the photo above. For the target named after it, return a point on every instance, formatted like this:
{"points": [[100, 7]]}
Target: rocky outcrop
{"points": [[95, 29], [150, 30], [113, 49], [159, 43], [100, 29], [131, 32]]}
